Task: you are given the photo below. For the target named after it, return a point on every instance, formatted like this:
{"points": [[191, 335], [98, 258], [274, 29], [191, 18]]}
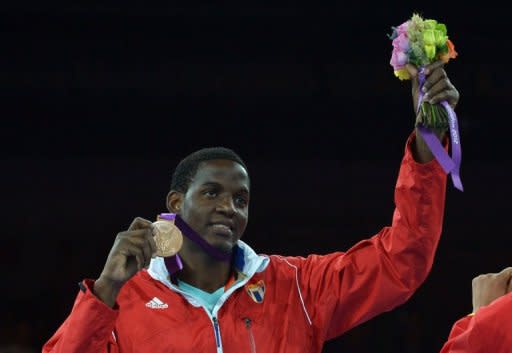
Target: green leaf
{"points": [[393, 34], [442, 48]]}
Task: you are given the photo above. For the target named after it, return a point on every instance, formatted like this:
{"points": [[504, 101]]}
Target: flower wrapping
{"points": [[421, 42]]}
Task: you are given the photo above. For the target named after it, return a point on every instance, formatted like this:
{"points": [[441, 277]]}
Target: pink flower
{"points": [[401, 46], [401, 42], [402, 29], [398, 59]]}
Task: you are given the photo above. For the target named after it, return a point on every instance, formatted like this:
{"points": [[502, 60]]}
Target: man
{"points": [[489, 327], [253, 303]]}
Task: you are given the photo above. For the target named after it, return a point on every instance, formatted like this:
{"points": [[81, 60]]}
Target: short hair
{"points": [[187, 168]]}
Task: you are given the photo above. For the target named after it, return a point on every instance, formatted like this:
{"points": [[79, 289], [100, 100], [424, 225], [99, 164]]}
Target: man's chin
{"points": [[226, 246]]}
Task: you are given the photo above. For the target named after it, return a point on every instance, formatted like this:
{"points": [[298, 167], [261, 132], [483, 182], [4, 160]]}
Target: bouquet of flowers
{"points": [[421, 42]]}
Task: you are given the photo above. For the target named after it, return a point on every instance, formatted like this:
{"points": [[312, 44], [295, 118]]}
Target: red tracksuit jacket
{"points": [[488, 331], [279, 304]]}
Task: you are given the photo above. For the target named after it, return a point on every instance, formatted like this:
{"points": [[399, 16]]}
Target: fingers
{"points": [[152, 244], [138, 233], [433, 67], [442, 90], [142, 240], [437, 87], [141, 227], [501, 279], [143, 253], [433, 78], [132, 250], [505, 275], [139, 223], [489, 287], [412, 70]]}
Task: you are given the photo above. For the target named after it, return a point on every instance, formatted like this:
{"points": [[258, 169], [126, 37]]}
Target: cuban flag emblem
{"points": [[256, 291]]}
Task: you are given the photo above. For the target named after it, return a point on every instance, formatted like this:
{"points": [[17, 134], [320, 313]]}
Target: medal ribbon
{"points": [[196, 238], [174, 263], [451, 165]]}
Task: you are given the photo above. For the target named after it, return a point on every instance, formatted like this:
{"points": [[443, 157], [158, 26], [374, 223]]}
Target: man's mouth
{"points": [[222, 229]]}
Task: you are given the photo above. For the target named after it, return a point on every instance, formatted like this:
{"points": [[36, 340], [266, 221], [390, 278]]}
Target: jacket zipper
{"points": [[217, 332], [248, 326]]}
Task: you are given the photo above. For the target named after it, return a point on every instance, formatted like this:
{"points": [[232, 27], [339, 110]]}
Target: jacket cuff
{"points": [[86, 287], [422, 168]]}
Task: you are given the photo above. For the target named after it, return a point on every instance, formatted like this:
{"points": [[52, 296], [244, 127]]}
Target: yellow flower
{"points": [[402, 74]]}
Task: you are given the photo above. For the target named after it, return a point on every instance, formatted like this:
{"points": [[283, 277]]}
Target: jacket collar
{"points": [[245, 261]]}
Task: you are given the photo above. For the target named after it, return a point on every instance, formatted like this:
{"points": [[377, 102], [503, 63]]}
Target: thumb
{"points": [[412, 70]]}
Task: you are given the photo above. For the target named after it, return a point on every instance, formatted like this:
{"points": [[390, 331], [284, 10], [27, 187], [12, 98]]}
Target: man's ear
{"points": [[174, 201]]}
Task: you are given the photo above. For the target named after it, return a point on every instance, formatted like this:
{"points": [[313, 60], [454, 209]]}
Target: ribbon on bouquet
{"points": [[451, 165]]}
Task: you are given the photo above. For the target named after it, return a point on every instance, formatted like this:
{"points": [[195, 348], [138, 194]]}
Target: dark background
{"points": [[99, 103]]}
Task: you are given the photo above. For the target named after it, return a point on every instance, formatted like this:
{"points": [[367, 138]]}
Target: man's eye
{"points": [[210, 194], [241, 201]]}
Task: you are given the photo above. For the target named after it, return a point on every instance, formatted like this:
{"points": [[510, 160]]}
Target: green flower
{"points": [[440, 38], [430, 50], [442, 28], [430, 24], [429, 37]]}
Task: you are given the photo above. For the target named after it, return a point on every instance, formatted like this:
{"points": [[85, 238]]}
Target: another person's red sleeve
{"points": [[489, 330]]}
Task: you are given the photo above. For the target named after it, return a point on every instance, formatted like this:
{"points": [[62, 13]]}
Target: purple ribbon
{"points": [[451, 165], [174, 263], [196, 238]]}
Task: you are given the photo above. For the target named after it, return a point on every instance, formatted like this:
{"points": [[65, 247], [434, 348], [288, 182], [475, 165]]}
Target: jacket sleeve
{"points": [[89, 328], [342, 290], [486, 331]]}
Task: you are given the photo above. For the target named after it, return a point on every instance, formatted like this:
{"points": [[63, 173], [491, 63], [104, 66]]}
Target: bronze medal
{"points": [[168, 238]]}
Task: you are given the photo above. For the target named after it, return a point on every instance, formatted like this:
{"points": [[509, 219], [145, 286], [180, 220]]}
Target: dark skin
{"points": [[437, 88], [216, 206]]}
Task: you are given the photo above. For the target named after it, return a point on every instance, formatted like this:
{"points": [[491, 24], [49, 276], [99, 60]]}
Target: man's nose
{"points": [[226, 205]]}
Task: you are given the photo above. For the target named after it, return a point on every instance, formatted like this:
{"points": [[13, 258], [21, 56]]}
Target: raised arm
{"points": [[343, 290]]}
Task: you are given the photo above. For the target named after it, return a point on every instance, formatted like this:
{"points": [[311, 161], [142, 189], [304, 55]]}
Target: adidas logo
{"points": [[156, 303]]}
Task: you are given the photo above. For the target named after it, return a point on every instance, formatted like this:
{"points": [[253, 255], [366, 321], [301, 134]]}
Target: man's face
{"points": [[216, 204]]}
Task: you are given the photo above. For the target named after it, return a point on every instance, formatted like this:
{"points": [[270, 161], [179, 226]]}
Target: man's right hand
{"points": [[132, 251], [491, 286]]}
